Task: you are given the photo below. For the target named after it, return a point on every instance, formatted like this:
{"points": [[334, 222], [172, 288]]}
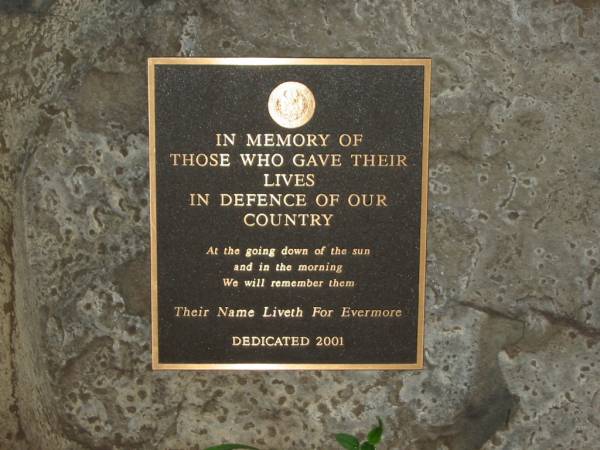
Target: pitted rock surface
{"points": [[513, 309]]}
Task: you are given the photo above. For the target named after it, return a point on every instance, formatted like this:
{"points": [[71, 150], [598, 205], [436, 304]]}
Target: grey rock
{"points": [[513, 316]]}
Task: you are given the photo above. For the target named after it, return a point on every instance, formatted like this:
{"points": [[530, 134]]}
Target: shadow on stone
{"points": [[490, 404], [133, 281], [24, 6]]}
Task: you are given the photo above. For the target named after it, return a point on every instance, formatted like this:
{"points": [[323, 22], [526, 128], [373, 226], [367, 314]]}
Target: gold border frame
{"points": [[426, 64]]}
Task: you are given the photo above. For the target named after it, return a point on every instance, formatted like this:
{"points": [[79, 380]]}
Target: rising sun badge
{"points": [[291, 104]]}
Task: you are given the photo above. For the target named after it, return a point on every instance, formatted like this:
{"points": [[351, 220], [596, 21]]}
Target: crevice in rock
{"points": [[9, 309], [569, 322], [491, 311]]}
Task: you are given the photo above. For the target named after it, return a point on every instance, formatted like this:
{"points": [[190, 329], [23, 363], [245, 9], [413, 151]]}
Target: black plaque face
{"points": [[288, 212]]}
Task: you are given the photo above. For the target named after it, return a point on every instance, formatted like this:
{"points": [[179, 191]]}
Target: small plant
{"points": [[347, 441], [350, 442]]}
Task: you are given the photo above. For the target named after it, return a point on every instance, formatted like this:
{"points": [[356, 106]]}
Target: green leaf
{"points": [[374, 436], [347, 441], [367, 446], [231, 447]]}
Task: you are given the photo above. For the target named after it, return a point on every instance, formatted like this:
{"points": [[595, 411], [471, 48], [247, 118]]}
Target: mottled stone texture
{"points": [[513, 314]]}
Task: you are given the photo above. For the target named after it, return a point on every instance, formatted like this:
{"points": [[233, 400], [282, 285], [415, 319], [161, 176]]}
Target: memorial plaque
{"points": [[288, 212]]}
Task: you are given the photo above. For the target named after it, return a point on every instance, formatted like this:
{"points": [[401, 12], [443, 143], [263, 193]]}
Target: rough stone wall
{"points": [[513, 307]]}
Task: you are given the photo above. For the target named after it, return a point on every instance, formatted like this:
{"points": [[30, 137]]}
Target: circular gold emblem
{"points": [[291, 104]]}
